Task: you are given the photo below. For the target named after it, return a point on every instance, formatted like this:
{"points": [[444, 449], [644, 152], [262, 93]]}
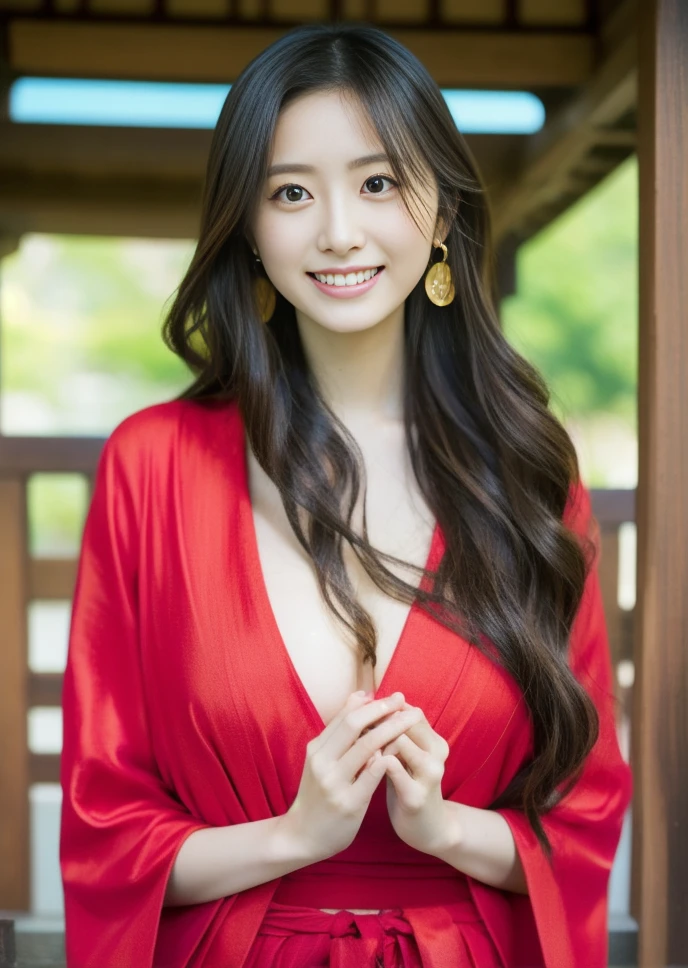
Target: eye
{"points": [[375, 183], [295, 194]]}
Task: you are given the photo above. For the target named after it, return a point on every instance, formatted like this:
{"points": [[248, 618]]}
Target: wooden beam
{"points": [[129, 181], [52, 579], [45, 689], [44, 767], [92, 151], [660, 722], [554, 160], [129, 208], [30, 455], [613, 506], [455, 57], [14, 768], [101, 181]]}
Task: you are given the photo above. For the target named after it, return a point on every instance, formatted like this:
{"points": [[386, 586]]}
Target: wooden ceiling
{"points": [[507, 14], [578, 56]]}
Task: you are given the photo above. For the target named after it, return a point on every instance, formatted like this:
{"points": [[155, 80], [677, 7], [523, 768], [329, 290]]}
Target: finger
{"points": [[416, 759], [369, 778], [382, 734], [340, 739], [424, 736], [355, 701], [404, 784]]}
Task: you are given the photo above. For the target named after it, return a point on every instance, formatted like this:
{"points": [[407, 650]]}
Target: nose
{"points": [[341, 230]]}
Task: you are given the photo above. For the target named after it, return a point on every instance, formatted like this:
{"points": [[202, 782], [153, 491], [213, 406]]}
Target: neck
{"points": [[360, 374]]}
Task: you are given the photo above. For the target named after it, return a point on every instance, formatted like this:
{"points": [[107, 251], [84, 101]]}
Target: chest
{"points": [[323, 653], [234, 690]]}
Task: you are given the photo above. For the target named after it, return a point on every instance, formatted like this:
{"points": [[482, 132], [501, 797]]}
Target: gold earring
{"points": [[438, 281], [265, 297], [198, 343]]}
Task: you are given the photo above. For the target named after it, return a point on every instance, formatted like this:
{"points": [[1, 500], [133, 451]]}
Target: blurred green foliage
{"points": [[575, 313], [72, 305], [56, 505]]}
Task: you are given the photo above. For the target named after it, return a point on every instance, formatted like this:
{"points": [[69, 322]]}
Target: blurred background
{"points": [[104, 147]]}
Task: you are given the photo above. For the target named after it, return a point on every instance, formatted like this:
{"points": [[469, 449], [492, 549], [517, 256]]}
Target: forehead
{"points": [[324, 125]]}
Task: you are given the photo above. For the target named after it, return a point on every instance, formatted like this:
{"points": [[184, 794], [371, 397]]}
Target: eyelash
{"points": [[274, 196]]}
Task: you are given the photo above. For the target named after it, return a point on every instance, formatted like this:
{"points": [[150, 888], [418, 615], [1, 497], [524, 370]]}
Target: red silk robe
{"points": [[183, 710]]}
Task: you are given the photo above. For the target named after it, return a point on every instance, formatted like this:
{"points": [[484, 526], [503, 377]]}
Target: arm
{"points": [[219, 861], [128, 845], [480, 844]]}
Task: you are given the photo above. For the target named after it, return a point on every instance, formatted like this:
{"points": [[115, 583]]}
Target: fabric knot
{"points": [[343, 925], [360, 938]]}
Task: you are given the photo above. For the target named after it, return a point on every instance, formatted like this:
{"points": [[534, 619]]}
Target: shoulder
{"points": [[155, 434]]}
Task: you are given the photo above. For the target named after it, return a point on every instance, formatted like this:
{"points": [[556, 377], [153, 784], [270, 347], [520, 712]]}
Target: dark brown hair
{"points": [[494, 464]]}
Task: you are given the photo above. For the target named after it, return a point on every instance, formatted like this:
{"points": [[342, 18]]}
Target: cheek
{"points": [[408, 248], [283, 251], [276, 240]]}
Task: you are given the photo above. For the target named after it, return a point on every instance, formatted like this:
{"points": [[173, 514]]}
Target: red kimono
{"points": [[173, 723]]}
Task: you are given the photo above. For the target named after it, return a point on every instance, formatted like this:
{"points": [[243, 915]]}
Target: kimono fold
{"points": [[183, 710]]}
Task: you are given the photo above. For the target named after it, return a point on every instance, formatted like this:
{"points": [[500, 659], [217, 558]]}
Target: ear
{"points": [[441, 230]]}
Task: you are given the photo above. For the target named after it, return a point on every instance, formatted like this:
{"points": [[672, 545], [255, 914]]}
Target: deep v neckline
{"points": [[264, 603]]}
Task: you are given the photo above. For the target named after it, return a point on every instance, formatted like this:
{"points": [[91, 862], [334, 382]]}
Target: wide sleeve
{"points": [[565, 913], [121, 828]]}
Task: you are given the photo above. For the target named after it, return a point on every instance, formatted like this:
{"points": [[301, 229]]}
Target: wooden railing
{"points": [[23, 579]]}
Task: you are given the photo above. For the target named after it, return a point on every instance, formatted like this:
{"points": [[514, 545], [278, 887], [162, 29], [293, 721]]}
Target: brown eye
{"points": [[289, 193], [375, 184]]}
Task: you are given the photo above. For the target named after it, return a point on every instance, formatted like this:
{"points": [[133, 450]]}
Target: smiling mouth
{"points": [[350, 279]]}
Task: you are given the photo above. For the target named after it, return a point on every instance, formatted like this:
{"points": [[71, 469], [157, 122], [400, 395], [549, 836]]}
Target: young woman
{"points": [[338, 687]]}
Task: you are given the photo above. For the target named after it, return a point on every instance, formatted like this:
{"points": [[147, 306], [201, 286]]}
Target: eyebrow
{"points": [[291, 167]]}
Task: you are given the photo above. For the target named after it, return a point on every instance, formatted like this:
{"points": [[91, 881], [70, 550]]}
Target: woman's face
{"points": [[332, 210]]}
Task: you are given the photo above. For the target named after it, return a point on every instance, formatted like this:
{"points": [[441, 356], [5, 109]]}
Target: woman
{"points": [[357, 547]]}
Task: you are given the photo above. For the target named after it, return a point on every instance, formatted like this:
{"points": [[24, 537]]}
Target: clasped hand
{"points": [[414, 764], [369, 739]]}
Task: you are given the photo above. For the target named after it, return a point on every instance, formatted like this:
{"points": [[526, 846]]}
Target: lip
{"points": [[348, 292], [343, 270]]}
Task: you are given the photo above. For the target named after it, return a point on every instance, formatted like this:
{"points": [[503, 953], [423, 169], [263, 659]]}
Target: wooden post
{"points": [[660, 711], [14, 760]]}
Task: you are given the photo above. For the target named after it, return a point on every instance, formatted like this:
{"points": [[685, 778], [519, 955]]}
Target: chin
{"points": [[348, 325]]}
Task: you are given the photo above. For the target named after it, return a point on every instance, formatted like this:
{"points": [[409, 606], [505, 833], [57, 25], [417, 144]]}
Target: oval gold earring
{"points": [[265, 296], [438, 281]]}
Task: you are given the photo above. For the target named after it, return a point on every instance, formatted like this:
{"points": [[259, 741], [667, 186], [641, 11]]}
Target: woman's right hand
{"points": [[342, 771]]}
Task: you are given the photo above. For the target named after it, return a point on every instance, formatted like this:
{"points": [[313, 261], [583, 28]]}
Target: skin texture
{"points": [[340, 217]]}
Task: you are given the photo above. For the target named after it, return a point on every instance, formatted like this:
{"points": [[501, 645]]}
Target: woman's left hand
{"points": [[415, 766]]}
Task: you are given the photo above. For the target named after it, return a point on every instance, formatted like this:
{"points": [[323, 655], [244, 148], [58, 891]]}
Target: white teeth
{"points": [[350, 279]]}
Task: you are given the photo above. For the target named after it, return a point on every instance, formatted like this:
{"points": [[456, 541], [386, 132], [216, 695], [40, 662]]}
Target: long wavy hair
{"points": [[494, 464]]}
